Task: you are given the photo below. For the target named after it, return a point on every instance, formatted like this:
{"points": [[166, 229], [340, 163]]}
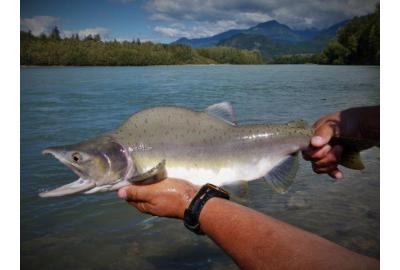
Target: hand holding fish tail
{"points": [[326, 153], [167, 198]]}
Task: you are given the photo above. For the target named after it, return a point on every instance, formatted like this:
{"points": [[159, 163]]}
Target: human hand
{"points": [[167, 198], [323, 156]]}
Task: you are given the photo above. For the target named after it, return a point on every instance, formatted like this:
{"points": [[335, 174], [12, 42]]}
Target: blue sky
{"points": [[168, 20]]}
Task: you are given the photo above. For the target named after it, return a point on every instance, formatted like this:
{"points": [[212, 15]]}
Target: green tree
{"points": [[55, 34]]}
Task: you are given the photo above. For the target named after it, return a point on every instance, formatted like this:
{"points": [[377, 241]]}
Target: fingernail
{"points": [[317, 140], [122, 194], [339, 176]]}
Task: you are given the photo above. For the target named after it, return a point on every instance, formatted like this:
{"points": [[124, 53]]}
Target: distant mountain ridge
{"points": [[271, 38], [207, 41]]}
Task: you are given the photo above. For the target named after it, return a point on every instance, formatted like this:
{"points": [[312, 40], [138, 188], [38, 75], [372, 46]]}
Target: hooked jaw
{"points": [[77, 186], [71, 188]]}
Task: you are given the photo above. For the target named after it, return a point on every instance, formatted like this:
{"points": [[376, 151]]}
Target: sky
{"points": [[167, 20]]}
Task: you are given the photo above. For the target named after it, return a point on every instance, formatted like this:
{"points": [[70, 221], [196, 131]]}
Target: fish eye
{"points": [[76, 157]]}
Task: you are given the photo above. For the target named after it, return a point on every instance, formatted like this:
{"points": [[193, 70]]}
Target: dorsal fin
{"points": [[223, 111]]}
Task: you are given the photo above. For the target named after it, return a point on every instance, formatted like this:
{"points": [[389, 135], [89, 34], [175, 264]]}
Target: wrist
{"points": [[203, 196], [187, 197]]}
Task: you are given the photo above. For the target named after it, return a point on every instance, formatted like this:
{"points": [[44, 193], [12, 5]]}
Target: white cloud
{"points": [[172, 32], [87, 31], [197, 30], [255, 17], [206, 15], [39, 24], [44, 24]]}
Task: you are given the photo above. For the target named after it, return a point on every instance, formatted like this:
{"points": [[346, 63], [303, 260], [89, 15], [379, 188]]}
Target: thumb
{"points": [[133, 193], [322, 135]]}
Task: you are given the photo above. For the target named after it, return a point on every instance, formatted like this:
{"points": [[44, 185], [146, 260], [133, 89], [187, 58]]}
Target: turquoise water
{"points": [[66, 105]]}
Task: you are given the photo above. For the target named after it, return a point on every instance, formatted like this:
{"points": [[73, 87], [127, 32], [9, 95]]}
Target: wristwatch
{"points": [[192, 213]]}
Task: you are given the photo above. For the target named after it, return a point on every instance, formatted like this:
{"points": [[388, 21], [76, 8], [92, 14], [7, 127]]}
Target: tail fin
{"points": [[351, 154]]}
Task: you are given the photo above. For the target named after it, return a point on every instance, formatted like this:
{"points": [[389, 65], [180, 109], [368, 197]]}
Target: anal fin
{"points": [[238, 191], [281, 176]]}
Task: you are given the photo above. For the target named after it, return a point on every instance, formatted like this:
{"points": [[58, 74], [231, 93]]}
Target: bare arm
{"points": [[253, 240], [257, 241]]}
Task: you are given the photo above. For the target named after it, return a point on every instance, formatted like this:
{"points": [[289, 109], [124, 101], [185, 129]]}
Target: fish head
{"points": [[97, 162]]}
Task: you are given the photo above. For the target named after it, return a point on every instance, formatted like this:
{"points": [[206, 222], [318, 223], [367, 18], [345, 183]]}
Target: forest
{"points": [[53, 50], [356, 43]]}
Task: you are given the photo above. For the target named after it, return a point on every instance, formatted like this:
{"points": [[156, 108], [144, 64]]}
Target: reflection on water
{"points": [[66, 105]]}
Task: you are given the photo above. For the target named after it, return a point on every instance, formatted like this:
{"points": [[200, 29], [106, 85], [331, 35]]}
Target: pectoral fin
{"points": [[157, 173], [281, 176]]}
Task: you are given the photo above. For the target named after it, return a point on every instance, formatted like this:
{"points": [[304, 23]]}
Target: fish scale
{"points": [[199, 147]]}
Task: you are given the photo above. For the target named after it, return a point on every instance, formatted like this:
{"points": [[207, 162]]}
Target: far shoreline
{"points": [[264, 64]]}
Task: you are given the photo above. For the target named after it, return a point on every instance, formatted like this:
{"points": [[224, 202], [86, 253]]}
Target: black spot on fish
{"points": [[145, 121]]}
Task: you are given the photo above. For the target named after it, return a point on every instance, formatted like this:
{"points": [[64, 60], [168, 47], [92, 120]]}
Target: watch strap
{"points": [[192, 213]]}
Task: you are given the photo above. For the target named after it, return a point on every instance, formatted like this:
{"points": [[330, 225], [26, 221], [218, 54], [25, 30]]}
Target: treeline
{"points": [[92, 51], [357, 43]]}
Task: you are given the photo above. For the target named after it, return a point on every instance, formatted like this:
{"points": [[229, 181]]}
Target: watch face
{"points": [[220, 190]]}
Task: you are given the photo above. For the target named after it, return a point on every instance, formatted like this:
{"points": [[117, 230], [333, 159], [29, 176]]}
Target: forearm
{"points": [[256, 241]]}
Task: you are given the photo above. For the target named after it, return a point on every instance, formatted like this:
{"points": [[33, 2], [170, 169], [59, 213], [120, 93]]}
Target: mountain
{"points": [[276, 31], [208, 41], [268, 47], [271, 38], [308, 33]]}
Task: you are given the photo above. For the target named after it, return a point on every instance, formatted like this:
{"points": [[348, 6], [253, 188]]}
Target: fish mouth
{"points": [[80, 185]]}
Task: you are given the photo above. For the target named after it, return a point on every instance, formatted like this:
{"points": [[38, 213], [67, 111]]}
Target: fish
{"points": [[198, 146]]}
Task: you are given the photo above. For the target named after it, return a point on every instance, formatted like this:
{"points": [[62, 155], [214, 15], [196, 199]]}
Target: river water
{"points": [[66, 105]]}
